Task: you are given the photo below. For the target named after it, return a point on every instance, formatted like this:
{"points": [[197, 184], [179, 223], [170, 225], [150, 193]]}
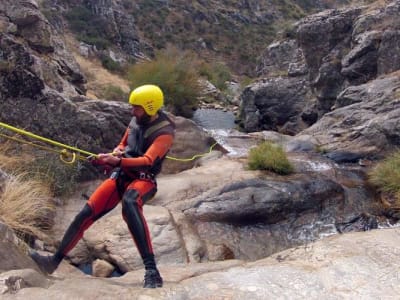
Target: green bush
{"points": [[111, 65], [386, 176], [115, 93], [88, 27], [62, 178], [271, 157], [176, 73], [217, 73]]}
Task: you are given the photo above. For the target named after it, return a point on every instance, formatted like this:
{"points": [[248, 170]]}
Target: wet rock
{"points": [[344, 157], [362, 222]]}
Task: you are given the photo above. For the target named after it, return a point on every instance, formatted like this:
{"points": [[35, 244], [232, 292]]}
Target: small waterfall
{"points": [[221, 125]]}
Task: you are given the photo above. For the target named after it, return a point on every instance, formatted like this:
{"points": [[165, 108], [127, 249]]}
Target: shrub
{"points": [[89, 28], [115, 93], [62, 178], [386, 176], [39, 165], [271, 157], [26, 206], [176, 73], [111, 65], [26, 196], [217, 73]]}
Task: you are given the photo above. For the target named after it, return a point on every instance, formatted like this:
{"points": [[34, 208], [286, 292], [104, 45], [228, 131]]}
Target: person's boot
{"points": [[48, 264], [152, 279]]}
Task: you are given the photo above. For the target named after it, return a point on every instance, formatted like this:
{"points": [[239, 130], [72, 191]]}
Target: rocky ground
{"points": [[362, 265]]}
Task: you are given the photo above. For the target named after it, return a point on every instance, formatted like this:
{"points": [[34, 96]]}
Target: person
{"points": [[136, 161]]}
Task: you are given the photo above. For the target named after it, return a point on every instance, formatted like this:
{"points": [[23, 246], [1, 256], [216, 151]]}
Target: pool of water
{"points": [[209, 118]]}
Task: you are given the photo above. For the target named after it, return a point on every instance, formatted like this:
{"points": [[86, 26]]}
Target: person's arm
{"points": [[157, 150], [118, 151]]}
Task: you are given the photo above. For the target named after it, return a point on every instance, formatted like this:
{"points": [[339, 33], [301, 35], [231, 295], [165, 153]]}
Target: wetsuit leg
{"points": [[104, 199], [137, 193]]}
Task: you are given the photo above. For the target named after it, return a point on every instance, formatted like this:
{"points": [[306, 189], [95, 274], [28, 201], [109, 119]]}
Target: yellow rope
{"points": [[49, 141], [64, 153], [193, 157]]}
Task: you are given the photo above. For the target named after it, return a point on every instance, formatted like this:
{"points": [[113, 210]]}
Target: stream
{"points": [[361, 210]]}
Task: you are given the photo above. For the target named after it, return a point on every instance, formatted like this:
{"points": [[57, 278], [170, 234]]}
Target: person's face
{"points": [[140, 114]]}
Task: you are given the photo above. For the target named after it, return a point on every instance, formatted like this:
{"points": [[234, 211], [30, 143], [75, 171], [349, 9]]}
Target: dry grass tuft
{"points": [[98, 78], [386, 177], [26, 206], [11, 156], [25, 203]]}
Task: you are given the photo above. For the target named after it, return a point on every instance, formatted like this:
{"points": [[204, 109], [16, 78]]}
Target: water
{"points": [[210, 119], [220, 125]]}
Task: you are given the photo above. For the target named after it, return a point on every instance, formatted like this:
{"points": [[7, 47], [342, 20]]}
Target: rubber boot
{"points": [[152, 279], [48, 264]]}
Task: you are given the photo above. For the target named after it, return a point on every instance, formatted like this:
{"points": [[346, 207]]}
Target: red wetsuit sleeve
{"points": [[124, 141], [158, 149]]}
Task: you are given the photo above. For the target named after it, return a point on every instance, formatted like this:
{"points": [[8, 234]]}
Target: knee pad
{"points": [[130, 198]]}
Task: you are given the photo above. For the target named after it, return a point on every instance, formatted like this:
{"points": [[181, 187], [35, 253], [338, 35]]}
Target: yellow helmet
{"points": [[148, 96]]}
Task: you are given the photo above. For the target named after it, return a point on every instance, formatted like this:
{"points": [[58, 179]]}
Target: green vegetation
{"points": [[208, 30], [176, 72], [111, 65], [289, 9], [320, 149], [386, 176], [227, 31], [6, 66], [26, 194], [271, 157], [217, 73], [88, 27], [41, 166], [61, 178], [115, 93]]}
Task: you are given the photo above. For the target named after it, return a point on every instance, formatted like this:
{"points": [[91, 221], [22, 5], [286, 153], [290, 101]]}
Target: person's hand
{"points": [[117, 152], [108, 159]]}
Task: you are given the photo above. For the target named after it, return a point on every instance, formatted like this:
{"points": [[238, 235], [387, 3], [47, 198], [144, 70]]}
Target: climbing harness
{"points": [[69, 154]]}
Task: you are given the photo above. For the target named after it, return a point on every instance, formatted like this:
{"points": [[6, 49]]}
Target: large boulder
{"points": [[274, 104], [13, 251], [347, 53], [365, 120]]}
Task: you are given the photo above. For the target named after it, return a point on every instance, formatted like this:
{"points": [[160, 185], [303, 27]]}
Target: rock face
{"points": [[40, 77], [364, 121], [117, 26], [345, 266], [12, 252], [275, 104], [135, 29], [347, 55]]}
